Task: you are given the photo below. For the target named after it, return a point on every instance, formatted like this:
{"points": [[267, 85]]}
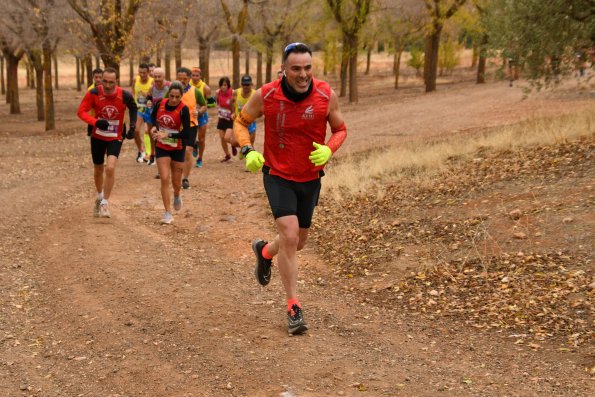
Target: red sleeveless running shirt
{"points": [[169, 121], [290, 128]]}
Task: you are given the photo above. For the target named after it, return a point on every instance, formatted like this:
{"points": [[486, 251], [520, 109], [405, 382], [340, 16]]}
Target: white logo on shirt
{"points": [[308, 113]]}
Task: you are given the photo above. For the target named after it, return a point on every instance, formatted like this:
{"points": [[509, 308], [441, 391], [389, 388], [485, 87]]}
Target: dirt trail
{"points": [[126, 307]]}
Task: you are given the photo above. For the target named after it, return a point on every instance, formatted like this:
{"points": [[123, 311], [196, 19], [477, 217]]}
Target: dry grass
{"points": [[420, 161]]}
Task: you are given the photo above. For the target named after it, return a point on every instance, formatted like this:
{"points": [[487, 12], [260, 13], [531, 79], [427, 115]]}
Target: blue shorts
{"points": [[146, 115], [203, 119], [252, 128]]}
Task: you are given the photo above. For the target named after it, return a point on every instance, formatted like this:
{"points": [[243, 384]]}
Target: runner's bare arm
{"points": [[232, 104], [207, 91], [250, 112], [335, 120]]}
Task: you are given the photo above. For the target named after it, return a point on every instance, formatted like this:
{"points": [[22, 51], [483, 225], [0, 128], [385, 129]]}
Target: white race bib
{"points": [[225, 113], [112, 130], [173, 142]]}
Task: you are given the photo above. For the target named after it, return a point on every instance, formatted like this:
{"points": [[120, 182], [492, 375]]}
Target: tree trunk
{"points": [[368, 59], [97, 62], [178, 54], [168, 64], [431, 58], [55, 59], [78, 74], [39, 92], [235, 47], [481, 67], [37, 63], [344, 65], [7, 82], [258, 69], [110, 61], [353, 44], [247, 62], [12, 79], [204, 50], [50, 120], [397, 64], [2, 80], [89, 69], [158, 57], [131, 71], [28, 77], [83, 70], [475, 55], [269, 63]]}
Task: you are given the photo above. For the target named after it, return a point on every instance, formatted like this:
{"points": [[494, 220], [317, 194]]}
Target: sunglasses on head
{"points": [[291, 47]]}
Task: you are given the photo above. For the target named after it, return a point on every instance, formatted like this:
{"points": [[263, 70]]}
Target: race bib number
{"points": [[112, 130], [173, 142], [142, 101], [225, 113]]}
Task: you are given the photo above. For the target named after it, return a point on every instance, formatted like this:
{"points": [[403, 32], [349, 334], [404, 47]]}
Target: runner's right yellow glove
{"points": [[254, 161]]}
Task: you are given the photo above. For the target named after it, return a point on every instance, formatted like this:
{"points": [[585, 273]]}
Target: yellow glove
{"points": [[321, 155], [254, 161]]}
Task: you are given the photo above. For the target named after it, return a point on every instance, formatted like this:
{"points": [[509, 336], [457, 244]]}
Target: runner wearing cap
{"points": [[239, 98]]}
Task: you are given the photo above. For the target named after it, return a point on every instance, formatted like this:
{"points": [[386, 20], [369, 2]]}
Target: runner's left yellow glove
{"points": [[254, 161], [321, 155]]}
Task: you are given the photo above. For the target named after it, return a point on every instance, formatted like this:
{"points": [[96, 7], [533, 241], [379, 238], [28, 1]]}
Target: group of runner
{"points": [[148, 89], [296, 109]]}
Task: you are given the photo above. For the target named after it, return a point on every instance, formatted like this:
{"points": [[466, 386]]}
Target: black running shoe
{"points": [[185, 184], [263, 266], [295, 321]]}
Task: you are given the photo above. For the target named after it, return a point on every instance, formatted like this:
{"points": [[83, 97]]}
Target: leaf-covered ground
{"points": [[503, 240]]}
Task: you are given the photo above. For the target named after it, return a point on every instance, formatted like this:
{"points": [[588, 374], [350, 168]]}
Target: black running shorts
{"points": [[191, 139], [224, 124], [175, 155], [99, 148], [292, 198]]}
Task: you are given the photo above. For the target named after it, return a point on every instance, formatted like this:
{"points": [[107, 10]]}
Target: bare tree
{"points": [[111, 22], [439, 12], [206, 28], [39, 14], [11, 31], [236, 29], [351, 15], [275, 22]]}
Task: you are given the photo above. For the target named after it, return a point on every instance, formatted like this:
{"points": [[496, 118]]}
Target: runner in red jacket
{"points": [[109, 102], [296, 110]]}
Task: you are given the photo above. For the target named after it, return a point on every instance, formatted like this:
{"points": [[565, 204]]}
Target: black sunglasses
{"points": [[295, 47]]}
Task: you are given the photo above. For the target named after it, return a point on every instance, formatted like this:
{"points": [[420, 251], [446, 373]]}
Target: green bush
{"points": [[448, 56], [416, 61]]}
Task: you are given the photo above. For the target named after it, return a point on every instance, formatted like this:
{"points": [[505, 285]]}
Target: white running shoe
{"points": [[104, 211], [167, 218], [177, 203], [141, 157], [96, 208]]}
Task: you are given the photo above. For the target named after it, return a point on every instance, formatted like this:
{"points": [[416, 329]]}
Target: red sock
{"points": [[265, 252], [291, 302]]}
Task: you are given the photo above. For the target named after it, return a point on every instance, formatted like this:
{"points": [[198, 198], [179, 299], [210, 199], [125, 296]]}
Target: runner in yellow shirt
{"points": [[203, 118], [239, 98], [140, 89]]}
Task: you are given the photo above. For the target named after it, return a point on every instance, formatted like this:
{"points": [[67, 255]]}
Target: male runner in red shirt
{"points": [[109, 103], [296, 109]]}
